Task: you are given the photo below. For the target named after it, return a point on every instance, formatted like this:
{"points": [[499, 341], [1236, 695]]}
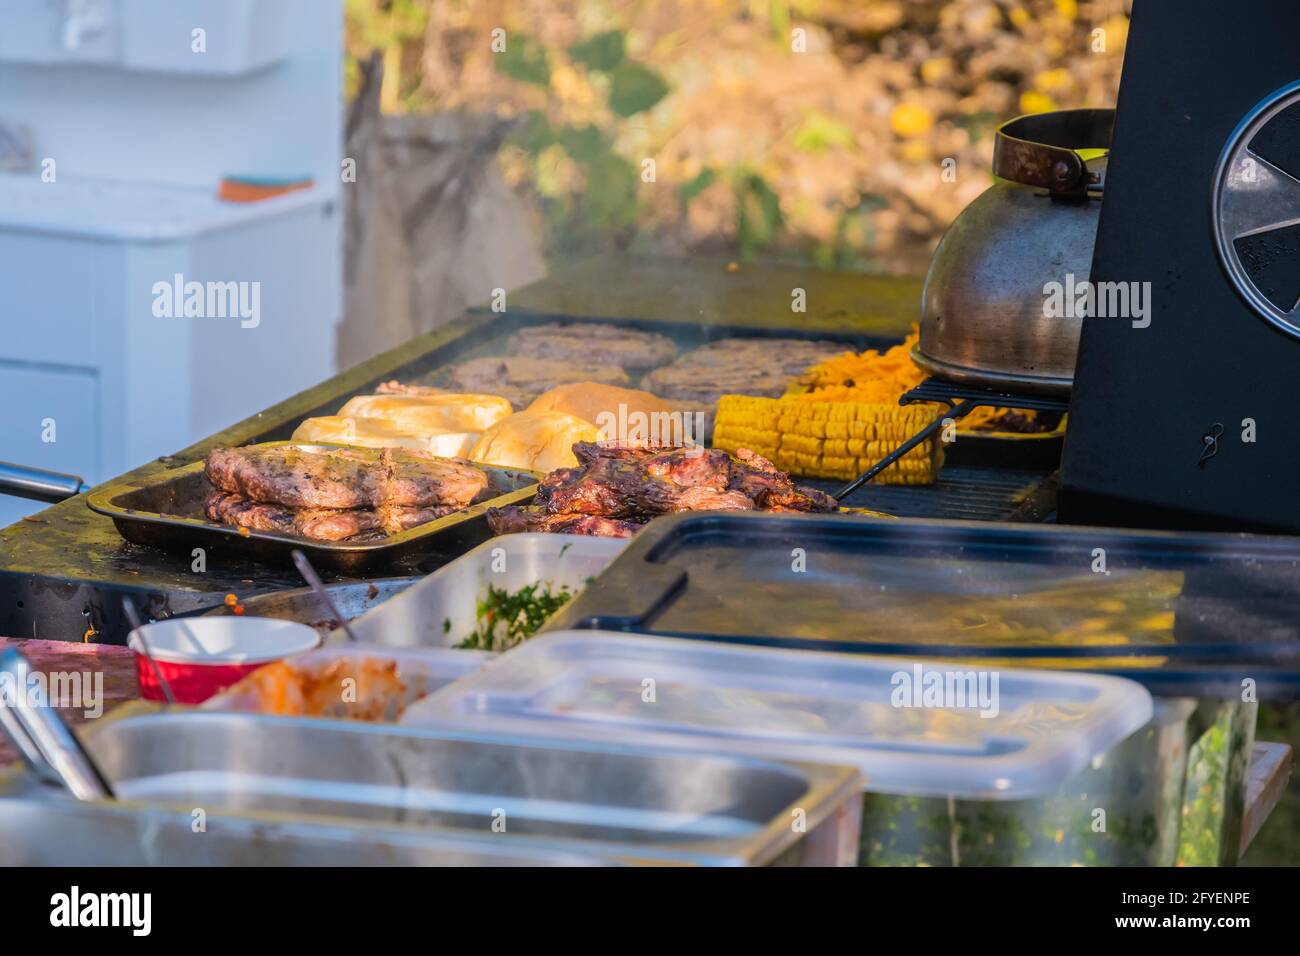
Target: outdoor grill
{"points": [[67, 567], [1014, 637]]}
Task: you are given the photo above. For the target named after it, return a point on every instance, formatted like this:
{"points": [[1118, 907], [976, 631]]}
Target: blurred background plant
{"points": [[809, 130]]}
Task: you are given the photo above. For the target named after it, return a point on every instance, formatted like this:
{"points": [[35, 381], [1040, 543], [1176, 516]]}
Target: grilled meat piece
{"points": [[754, 366], [319, 524], [704, 467], [520, 379], [344, 478], [613, 487], [636, 483], [289, 476], [594, 342], [771, 489], [514, 519], [226, 508], [394, 518], [416, 480], [617, 488], [589, 451]]}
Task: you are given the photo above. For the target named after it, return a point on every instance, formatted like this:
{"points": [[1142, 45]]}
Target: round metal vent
{"points": [[1257, 209]]}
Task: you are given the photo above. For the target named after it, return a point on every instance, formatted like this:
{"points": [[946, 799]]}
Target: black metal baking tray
{"points": [[1195, 613], [165, 510]]}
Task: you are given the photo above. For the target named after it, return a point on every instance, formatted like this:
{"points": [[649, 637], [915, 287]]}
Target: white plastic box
{"points": [[94, 382], [239, 36]]}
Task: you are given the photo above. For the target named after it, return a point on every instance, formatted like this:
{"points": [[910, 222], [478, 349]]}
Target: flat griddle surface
{"points": [[63, 570]]}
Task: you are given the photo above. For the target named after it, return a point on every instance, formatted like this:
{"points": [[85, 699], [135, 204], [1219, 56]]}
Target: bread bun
{"points": [[378, 433], [626, 414], [453, 411], [534, 441]]}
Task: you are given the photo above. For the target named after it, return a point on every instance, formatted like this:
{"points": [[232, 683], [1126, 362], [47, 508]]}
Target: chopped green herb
{"points": [[446, 625], [506, 619]]}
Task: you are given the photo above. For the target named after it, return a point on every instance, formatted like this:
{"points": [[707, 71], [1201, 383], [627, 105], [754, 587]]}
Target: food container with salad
{"points": [[491, 598]]}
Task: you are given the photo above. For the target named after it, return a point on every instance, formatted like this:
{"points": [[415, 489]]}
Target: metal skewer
{"points": [[133, 616], [311, 577]]}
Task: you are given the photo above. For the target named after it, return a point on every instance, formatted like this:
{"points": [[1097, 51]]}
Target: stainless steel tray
{"points": [[595, 800], [165, 510], [40, 828], [441, 610]]}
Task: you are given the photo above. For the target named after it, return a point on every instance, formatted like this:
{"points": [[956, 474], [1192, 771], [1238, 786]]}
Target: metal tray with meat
{"points": [[261, 502]]}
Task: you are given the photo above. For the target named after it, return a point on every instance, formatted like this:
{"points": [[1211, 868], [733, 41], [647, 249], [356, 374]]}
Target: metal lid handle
{"points": [[1041, 149]]}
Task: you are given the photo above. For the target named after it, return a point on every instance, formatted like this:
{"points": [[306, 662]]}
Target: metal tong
{"points": [[43, 740]]}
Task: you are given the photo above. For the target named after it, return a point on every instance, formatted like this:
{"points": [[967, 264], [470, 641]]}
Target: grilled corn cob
{"points": [[830, 439]]}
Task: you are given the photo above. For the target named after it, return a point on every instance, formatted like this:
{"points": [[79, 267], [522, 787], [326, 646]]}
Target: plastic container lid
{"points": [[1018, 734], [1181, 614]]}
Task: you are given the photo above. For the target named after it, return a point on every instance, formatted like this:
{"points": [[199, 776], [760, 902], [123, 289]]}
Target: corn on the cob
{"points": [[830, 439]]}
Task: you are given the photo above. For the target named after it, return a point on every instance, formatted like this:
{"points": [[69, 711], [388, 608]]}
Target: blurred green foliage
{"points": [[604, 51], [774, 126], [525, 59], [582, 221]]}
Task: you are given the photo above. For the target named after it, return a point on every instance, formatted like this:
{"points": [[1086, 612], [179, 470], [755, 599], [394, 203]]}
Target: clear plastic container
{"points": [[1030, 767]]}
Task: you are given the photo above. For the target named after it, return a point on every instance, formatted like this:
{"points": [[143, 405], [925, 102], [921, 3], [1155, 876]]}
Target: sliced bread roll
{"points": [[453, 411], [379, 433], [533, 441]]}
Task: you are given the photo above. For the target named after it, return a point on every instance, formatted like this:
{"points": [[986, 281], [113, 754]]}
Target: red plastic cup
{"points": [[200, 656]]}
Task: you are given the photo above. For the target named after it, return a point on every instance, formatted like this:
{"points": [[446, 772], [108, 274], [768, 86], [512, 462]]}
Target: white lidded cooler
{"points": [[144, 312], [1026, 767], [237, 36], [440, 611]]}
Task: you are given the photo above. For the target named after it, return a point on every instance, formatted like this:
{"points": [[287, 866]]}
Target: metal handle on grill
{"points": [[43, 740], [37, 483]]}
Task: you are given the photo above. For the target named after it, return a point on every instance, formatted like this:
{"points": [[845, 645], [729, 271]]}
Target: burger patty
{"points": [[520, 379], [761, 367], [593, 342]]}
